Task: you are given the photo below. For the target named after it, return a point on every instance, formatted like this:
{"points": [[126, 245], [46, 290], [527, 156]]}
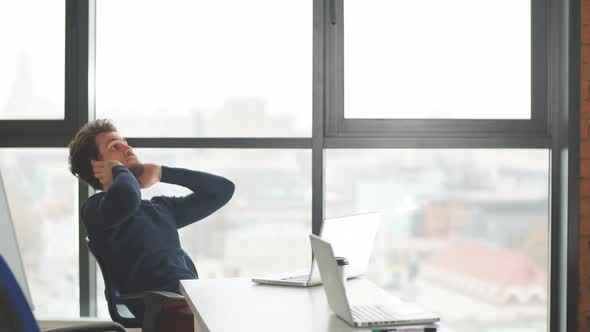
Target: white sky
{"points": [[437, 59], [188, 54], [33, 29]]}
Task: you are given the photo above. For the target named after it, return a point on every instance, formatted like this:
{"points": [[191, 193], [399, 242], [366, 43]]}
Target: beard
{"points": [[136, 169]]}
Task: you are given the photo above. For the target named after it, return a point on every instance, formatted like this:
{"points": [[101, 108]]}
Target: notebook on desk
{"points": [[385, 314], [352, 236]]}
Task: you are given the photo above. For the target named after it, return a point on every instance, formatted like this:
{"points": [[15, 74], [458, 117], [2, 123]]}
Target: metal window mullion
{"points": [[563, 101], [436, 143], [25, 128], [320, 20], [541, 30], [221, 142], [332, 61], [571, 100], [33, 141], [78, 51], [563, 233]]}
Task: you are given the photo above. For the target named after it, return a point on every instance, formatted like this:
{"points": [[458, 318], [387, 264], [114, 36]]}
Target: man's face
{"points": [[112, 146]]}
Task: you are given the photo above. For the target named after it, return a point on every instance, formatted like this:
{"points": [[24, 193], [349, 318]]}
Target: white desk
{"points": [[228, 305]]}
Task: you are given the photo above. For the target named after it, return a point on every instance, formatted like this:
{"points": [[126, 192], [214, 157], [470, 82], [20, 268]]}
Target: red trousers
{"points": [[176, 316]]}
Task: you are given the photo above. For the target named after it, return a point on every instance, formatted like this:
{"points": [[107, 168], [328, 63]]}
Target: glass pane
{"points": [[32, 59], [463, 233], [225, 68], [43, 199], [456, 59], [265, 226]]}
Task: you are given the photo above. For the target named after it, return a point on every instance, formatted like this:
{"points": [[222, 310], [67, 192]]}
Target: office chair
{"points": [[149, 302], [16, 315]]}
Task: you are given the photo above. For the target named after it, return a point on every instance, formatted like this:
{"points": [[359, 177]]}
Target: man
{"points": [[138, 239]]}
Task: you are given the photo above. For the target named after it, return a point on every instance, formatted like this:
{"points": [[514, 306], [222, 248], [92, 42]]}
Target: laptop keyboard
{"points": [[303, 277], [373, 313]]}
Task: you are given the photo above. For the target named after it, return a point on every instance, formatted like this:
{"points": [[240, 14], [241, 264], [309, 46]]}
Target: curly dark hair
{"points": [[83, 149]]}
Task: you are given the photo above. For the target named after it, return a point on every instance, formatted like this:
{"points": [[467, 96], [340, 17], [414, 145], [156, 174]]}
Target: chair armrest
{"points": [[92, 327], [152, 301]]}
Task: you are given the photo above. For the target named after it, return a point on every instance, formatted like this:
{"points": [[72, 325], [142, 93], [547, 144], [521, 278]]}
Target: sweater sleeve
{"points": [[209, 193], [123, 198]]}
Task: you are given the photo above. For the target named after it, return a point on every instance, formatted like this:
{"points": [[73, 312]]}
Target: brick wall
{"points": [[584, 252]]}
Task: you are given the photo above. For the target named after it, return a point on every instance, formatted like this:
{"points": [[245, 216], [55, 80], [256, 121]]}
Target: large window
{"points": [[42, 196], [464, 232], [207, 68], [436, 113], [32, 59]]}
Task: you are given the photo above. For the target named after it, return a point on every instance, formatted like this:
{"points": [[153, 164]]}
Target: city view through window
{"points": [[463, 232]]}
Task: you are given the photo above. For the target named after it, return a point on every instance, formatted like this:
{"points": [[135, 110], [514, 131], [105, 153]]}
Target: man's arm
{"points": [[210, 192], [123, 198]]}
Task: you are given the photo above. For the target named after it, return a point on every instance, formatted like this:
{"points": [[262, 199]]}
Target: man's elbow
{"points": [[230, 188]]}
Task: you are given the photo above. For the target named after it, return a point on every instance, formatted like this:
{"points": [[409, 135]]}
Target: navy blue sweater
{"points": [[138, 239]]}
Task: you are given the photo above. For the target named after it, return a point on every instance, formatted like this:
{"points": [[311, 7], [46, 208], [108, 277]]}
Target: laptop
{"points": [[360, 315], [352, 237]]}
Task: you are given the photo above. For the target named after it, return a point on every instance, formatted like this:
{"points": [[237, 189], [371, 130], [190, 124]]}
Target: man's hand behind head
{"points": [[151, 174], [103, 171]]}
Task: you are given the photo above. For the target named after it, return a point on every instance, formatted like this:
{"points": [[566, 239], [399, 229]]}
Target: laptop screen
{"points": [[352, 237]]}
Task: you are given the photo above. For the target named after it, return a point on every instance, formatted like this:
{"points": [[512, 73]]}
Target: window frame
{"points": [[428, 131]]}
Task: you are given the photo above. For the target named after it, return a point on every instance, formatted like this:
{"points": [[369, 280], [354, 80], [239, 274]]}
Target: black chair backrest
{"points": [[112, 295], [15, 313]]}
